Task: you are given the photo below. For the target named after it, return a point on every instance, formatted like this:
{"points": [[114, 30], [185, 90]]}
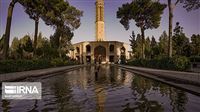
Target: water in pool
{"points": [[112, 90]]}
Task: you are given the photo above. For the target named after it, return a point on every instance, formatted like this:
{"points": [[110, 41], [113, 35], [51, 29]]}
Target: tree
{"points": [[153, 42], [8, 26], [27, 43], [154, 48], [1, 42], [35, 9], [15, 52], [138, 53], [22, 48], [15, 44], [65, 19], [27, 4], [180, 41], [56, 13], [40, 40], [163, 44], [133, 42], [61, 40], [44, 48], [19, 50], [46, 51], [1, 45], [148, 48], [146, 13], [17, 47], [170, 7], [189, 5], [195, 44]]}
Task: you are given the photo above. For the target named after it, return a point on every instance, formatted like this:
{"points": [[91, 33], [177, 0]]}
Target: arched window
{"points": [[123, 50], [88, 49], [78, 50], [112, 48]]}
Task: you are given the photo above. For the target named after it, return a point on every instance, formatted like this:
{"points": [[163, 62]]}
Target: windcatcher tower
{"points": [[100, 34]]}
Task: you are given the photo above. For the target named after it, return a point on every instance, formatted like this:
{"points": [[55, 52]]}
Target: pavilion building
{"points": [[107, 51]]}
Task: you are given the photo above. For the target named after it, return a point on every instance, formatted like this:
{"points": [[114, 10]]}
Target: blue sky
{"points": [[21, 24]]}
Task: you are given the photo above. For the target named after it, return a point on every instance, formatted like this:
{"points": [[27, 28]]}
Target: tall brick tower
{"points": [[100, 33]]}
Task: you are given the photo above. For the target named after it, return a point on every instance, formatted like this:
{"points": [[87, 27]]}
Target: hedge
{"points": [[7, 66], [179, 63]]}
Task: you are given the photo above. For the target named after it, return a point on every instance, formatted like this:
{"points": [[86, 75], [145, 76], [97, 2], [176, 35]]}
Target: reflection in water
{"points": [[5, 105], [110, 90]]}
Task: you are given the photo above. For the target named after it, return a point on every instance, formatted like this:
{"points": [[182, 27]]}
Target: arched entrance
{"points": [[100, 52], [88, 52], [123, 55]]}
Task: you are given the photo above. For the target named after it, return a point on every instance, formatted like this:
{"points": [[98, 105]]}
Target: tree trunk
{"points": [[60, 38], [8, 27], [35, 36], [59, 50], [170, 28], [143, 42]]}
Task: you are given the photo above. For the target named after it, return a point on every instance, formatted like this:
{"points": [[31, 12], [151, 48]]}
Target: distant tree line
{"points": [[184, 52], [182, 46], [46, 55]]}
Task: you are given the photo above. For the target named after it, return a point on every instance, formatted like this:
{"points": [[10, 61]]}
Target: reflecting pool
{"points": [[111, 90]]}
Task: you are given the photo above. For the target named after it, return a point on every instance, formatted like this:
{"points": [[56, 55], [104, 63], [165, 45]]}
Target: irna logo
{"points": [[21, 90]]}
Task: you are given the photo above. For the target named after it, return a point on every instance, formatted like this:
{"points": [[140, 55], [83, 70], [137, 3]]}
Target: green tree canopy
{"points": [[190, 4], [65, 19], [155, 51], [133, 42], [148, 48], [180, 41], [138, 48], [15, 44], [21, 47], [163, 44], [195, 44], [27, 43]]}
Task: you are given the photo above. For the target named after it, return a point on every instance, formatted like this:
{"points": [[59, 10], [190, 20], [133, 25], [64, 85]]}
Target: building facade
{"points": [[100, 50]]}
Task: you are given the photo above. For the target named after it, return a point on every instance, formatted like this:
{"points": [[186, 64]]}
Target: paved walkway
{"points": [[184, 80], [34, 73]]}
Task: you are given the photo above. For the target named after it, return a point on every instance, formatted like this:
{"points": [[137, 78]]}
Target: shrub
{"points": [[22, 65], [180, 63], [7, 66], [195, 58], [57, 62]]}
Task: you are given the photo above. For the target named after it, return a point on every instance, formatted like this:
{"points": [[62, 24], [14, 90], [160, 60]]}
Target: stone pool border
{"points": [[35, 73], [184, 80]]}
